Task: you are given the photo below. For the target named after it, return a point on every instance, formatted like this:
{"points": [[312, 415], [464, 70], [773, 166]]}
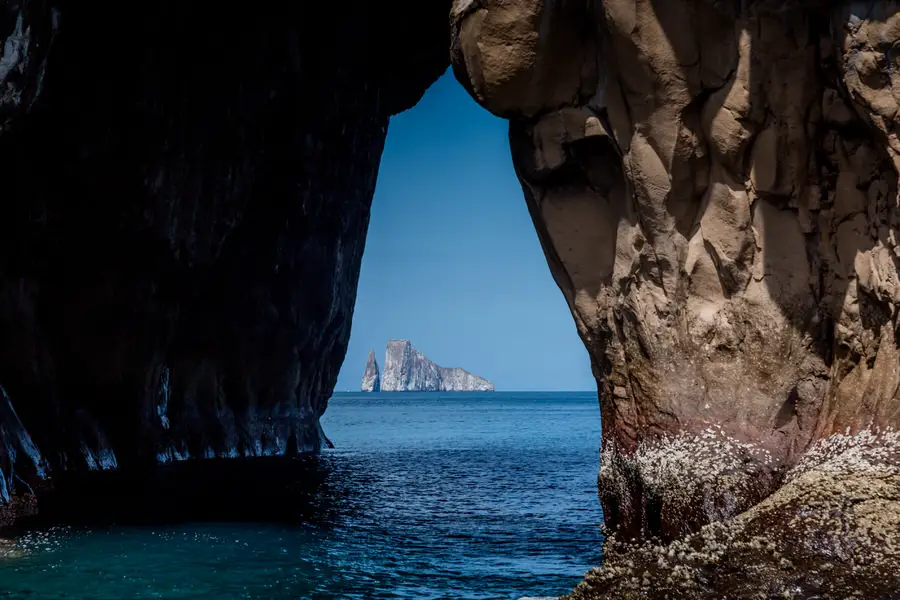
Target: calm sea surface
{"points": [[427, 495]]}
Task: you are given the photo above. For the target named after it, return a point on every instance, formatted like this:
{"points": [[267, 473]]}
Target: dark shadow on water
{"points": [[272, 489]]}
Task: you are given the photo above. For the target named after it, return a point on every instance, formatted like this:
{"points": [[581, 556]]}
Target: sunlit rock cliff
{"points": [[371, 379], [408, 370], [185, 197], [714, 184]]}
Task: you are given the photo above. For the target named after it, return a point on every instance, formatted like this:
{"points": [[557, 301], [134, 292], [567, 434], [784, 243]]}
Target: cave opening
{"points": [[452, 261]]}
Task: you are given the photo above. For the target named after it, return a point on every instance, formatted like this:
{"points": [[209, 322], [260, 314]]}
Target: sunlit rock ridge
{"points": [[714, 184], [408, 370]]}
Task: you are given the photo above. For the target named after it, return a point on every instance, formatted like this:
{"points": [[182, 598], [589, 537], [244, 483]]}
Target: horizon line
{"points": [[457, 392]]}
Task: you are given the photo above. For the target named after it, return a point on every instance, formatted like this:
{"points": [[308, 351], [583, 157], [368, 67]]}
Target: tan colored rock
{"points": [[523, 57], [764, 170], [727, 242]]}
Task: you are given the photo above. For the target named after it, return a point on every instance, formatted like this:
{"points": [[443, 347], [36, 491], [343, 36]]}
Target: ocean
{"points": [[426, 496]]}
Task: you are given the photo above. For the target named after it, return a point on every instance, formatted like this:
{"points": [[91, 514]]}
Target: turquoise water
{"points": [[425, 496]]}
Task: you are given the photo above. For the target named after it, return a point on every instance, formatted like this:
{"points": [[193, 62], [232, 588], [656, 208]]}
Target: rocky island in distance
{"points": [[408, 370]]}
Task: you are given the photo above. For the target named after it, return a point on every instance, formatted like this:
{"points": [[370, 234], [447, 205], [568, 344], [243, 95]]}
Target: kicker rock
{"points": [[714, 185], [408, 370], [371, 379]]}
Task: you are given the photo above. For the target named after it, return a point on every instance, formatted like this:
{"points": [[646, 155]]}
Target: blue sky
{"points": [[452, 261]]}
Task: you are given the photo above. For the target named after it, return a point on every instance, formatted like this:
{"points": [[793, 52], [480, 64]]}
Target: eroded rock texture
{"points": [[715, 188], [185, 196]]}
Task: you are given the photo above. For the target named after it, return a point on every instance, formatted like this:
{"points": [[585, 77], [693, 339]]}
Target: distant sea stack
{"points": [[371, 380], [408, 370]]}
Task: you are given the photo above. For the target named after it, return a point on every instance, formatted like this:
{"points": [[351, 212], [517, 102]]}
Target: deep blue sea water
{"points": [[429, 495]]}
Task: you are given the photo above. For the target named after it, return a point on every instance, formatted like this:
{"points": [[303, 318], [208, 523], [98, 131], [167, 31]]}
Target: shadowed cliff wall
{"points": [[185, 197]]}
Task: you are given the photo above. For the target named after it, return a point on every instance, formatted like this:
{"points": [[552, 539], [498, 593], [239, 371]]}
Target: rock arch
{"points": [[186, 194]]}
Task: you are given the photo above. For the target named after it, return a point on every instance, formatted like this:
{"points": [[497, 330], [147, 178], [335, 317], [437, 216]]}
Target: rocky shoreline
{"points": [[829, 531]]}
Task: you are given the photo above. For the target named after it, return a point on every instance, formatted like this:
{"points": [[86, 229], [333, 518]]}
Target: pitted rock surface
{"points": [[830, 531]]}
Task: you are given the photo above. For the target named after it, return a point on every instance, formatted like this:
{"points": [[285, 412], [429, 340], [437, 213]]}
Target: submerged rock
{"points": [[408, 370], [371, 379], [714, 185]]}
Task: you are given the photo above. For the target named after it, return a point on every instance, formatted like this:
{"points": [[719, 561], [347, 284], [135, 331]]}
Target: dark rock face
{"points": [[20, 452], [185, 202], [371, 379], [714, 185], [408, 370]]}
